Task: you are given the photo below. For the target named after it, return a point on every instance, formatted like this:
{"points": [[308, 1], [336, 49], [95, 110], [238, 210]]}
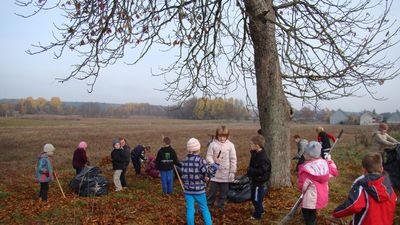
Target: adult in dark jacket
{"points": [[137, 156], [118, 163], [80, 160], [323, 138], [127, 153], [259, 171], [165, 160]]}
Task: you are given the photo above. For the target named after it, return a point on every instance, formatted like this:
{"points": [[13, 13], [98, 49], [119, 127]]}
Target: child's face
{"points": [[117, 145], [254, 147], [123, 142], [222, 139]]}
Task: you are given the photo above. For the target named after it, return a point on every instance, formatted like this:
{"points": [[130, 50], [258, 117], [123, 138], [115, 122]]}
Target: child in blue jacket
{"points": [[44, 170]]}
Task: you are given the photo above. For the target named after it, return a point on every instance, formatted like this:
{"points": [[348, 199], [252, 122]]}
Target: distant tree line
{"points": [[194, 108]]}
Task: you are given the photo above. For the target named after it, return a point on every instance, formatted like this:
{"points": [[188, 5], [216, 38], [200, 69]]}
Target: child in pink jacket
{"points": [[313, 180]]}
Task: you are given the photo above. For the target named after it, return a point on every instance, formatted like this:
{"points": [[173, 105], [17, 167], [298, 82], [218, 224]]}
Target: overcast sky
{"points": [[23, 75]]}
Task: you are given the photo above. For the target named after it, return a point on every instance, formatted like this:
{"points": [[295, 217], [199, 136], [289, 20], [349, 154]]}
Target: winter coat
{"points": [[194, 172], [79, 159], [137, 153], [371, 201], [227, 160], [323, 138], [166, 158], [118, 161], [44, 168], [150, 168], [259, 169], [313, 182], [127, 153], [380, 142]]}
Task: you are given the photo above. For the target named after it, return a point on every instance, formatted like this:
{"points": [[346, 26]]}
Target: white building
{"points": [[367, 119], [338, 117]]}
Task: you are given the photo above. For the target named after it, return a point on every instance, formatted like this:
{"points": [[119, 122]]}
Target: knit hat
{"points": [[193, 145], [48, 148], [313, 149], [82, 144], [115, 141]]}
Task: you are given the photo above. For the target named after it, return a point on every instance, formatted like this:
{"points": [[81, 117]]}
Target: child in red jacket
{"points": [[371, 200]]}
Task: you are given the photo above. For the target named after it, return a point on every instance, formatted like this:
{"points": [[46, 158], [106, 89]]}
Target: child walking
{"points": [[223, 150], [118, 162], [165, 161], [194, 174], [259, 171], [371, 200], [313, 179], [44, 170]]}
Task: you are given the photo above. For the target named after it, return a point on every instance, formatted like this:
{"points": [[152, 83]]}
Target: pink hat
{"points": [[82, 144], [193, 145]]}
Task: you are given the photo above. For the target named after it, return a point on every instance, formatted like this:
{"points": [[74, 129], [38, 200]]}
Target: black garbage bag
{"points": [[89, 182], [239, 189], [392, 166]]}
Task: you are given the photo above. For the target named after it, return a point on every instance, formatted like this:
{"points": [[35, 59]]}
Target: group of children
{"points": [[370, 201]]}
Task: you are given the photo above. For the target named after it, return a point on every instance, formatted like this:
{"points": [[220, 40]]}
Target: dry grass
{"points": [[21, 141]]}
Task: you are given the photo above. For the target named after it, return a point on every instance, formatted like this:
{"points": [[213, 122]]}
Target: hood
{"points": [[318, 169], [42, 155], [377, 186]]}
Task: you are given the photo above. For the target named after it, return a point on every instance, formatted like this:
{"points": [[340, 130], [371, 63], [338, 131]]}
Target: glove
{"points": [[231, 176], [214, 167], [47, 174], [328, 156]]}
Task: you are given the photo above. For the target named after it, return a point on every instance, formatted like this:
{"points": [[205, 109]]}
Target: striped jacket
{"points": [[194, 172]]}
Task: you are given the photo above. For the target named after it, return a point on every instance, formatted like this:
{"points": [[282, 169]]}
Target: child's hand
{"points": [[328, 156], [231, 176], [214, 166], [47, 174]]}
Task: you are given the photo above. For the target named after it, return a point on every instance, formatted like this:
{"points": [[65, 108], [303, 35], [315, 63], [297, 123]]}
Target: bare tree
{"points": [[308, 49]]}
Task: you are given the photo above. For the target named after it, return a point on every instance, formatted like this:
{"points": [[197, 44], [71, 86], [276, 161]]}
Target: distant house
{"points": [[338, 117], [367, 119], [394, 118]]}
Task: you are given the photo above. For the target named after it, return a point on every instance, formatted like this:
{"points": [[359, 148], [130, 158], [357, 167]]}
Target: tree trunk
{"points": [[274, 110]]}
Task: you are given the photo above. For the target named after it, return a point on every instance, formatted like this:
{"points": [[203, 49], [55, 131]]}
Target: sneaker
{"points": [[253, 218]]}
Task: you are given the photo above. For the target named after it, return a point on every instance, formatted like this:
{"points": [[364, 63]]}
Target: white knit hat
{"points": [[193, 145], [48, 148], [313, 149]]}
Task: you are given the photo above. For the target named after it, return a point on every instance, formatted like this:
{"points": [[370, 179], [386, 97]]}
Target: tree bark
{"points": [[274, 110]]}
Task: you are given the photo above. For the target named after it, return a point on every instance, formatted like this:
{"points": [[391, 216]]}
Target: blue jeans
{"points": [[167, 181], [257, 196], [190, 210]]}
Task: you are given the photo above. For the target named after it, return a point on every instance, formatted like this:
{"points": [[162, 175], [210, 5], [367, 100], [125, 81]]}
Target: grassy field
{"points": [[21, 140]]}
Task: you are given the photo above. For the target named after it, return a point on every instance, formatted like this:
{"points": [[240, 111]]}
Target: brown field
{"points": [[21, 140]]}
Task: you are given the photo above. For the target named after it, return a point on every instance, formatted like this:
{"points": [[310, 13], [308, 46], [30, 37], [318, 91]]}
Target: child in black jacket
{"points": [[118, 162], [165, 161], [259, 172]]}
